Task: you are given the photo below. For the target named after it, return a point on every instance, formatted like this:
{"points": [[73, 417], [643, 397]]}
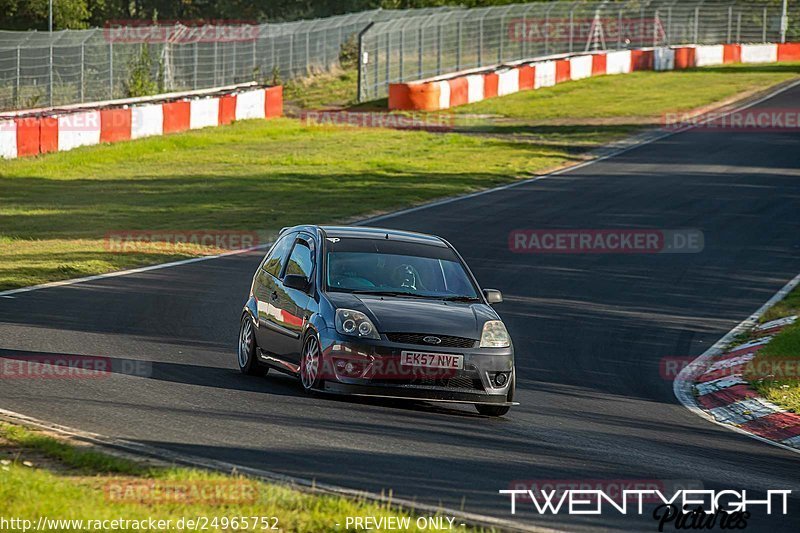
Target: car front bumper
{"points": [[367, 367]]}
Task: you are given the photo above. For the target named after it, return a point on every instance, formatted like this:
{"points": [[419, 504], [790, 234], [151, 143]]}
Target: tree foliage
{"points": [[76, 14]]}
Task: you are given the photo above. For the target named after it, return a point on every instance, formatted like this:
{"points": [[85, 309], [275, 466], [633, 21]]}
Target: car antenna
{"points": [[387, 235]]}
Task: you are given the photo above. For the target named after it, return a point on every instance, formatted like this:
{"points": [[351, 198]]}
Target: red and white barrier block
{"points": [[473, 86], [24, 135]]}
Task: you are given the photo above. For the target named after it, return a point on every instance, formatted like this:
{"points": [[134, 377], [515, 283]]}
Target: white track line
{"points": [[306, 485], [682, 386], [614, 153]]}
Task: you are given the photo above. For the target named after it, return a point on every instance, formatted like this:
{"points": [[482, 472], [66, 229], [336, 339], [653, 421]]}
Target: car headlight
{"points": [[349, 322], [495, 335]]}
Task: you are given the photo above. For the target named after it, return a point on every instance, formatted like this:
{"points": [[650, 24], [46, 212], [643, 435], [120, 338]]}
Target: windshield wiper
{"points": [[391, 293], [460, 299]]}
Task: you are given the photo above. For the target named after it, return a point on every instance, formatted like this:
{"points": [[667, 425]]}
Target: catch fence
{"points": [[437, 43]]}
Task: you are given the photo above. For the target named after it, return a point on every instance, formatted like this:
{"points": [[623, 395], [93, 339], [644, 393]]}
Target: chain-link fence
{"points": [[420, 47], [72, 66]]}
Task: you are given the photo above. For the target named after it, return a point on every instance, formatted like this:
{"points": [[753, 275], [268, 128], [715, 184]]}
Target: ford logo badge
{"points": [[432, 340]]}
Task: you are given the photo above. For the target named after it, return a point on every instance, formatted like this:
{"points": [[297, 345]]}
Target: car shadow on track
{"points": [[21, 364]]}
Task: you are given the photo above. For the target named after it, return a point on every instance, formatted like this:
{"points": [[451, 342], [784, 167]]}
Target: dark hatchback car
{"points": [[377, 312]]}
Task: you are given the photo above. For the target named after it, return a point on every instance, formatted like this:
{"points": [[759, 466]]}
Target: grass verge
{"points": [[778, 363], [330, 90], [41, 476], [59, 209], [639, 97]]}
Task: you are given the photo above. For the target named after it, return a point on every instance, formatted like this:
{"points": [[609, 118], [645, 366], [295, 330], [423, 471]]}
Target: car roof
{"points": [[362, 232]]}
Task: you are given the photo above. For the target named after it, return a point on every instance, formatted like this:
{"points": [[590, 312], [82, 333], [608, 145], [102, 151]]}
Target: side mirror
{"points": [[295, 281], [493, 296]]}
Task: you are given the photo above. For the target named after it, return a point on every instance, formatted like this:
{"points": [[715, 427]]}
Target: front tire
{"points": [[246, 352], [498, 410], [311, 364]]}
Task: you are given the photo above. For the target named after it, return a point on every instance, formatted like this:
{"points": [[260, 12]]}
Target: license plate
{"points": [[432, 360]]}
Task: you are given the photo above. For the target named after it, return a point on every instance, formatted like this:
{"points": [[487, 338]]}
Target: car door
{"points": [[265, 290], [292, 305]]}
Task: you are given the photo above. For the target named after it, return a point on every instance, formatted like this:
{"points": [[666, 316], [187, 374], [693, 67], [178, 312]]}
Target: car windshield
{"points": [[397, 268]]}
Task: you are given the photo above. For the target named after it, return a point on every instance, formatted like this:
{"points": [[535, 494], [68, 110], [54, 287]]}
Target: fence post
{"points": [[696, 25], [194, 72], [656, 21], [308, 59], [388, 57], [438, 49], [111, 68], [619, 29], [272, 55], [571, 27], [361, 65], [234, 63], [458, 45], [500, 38], [546, 32], [215, 65], [669, 25], [291, 55], [402, 52], [50, 81], [642, 24], [730, 23], [19, 74], [83, 62], [419, 54], [480, 41], [739, 27], [784, 21], [764, 27]]}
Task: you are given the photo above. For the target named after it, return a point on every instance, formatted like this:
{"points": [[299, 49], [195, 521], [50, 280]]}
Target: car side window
{"points": [[277, 256], [301, 262]]}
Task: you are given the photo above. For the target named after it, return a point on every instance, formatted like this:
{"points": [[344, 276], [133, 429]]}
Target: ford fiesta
{"points": [[377, 312]]}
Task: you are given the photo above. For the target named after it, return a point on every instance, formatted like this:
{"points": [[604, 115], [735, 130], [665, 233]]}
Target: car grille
{"points": [[448, 341], [457, 382]]}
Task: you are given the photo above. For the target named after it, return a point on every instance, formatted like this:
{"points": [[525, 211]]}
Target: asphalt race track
{"points": [[589, 331]]}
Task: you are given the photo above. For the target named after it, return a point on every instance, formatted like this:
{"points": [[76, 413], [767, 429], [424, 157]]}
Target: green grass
{"points": [[635, 95], [254, 175], [775, 370], [338, 89], [787, 307], [44, 477]]}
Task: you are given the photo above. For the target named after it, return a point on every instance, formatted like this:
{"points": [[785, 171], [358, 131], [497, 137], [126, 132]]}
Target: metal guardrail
{"points": [[40, 69], [426, 46]]}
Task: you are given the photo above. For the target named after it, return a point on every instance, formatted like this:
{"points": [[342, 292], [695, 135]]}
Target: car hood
{"points": [[412, 315]]}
